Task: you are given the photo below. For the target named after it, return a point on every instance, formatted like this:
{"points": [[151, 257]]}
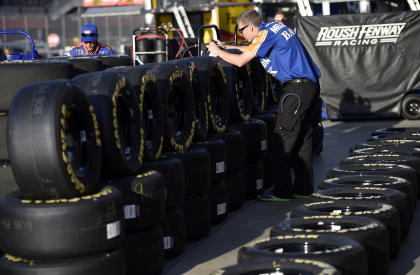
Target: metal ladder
{"points": [[183, 21], [414, 5]]}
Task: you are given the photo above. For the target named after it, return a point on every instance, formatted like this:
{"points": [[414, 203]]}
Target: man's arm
{"points": [[235, 59]]}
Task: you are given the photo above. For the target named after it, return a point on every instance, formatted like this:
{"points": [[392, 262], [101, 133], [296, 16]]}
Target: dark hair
{"points": [[250, 17]]}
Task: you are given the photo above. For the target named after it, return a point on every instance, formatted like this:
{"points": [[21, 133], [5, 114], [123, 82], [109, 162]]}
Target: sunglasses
{"points": [[241, 30], [89, 34]]}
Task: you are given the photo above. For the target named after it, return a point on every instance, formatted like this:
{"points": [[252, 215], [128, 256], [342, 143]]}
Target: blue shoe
{"points": [[269, 197]]}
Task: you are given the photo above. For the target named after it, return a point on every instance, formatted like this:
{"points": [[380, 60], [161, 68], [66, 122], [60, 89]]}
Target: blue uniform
{"points": [[80, 50], [282, 53]]}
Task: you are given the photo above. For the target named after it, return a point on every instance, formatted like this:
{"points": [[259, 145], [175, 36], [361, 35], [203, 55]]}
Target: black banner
{"points": [[368, 61]]}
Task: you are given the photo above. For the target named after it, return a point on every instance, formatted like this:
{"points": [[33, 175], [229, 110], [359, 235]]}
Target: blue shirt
{"points": [[282, 54], [80, 50]]}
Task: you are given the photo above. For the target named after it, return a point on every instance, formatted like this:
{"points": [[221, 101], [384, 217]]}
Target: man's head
{"points": [[90, 36], [279, 17], [249, 22]]}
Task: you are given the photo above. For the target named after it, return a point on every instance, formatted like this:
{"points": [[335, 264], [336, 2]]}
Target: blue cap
{"points": [[93, 30]]}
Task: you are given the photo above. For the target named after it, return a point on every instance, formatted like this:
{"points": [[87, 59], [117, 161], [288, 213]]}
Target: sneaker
{"points": [[297, 196], [269, 197]]}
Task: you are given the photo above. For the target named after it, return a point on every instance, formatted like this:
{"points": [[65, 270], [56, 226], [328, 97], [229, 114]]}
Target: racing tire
{"points": [[215, 85], [275, 91], [197, 170], [104, 263], [4, 153], [346, 255], [144, 83], [234, 180], [370, 233], [62, 228], [235, 153], [218, 157], [16, 74], [143, 251], [120, 121], [115, 60], [197, 212], [83, 64], [219, 198], [400, 184], [174, 233], [54, 141], [270, 121], [395, 130], [259, 85], [373, 150], [143, 199], [172, 171], [385, 195], [385, 213], [282, 266], [7, 179], [253, 174]]}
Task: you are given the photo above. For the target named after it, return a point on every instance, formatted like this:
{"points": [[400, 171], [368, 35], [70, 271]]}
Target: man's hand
{"points": [[213, 48]]}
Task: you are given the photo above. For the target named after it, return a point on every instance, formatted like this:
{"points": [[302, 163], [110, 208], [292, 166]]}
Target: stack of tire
{"points": [[360, 215], [61, 221]]}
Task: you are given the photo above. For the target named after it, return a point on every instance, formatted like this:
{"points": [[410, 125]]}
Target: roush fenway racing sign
{"points": [[368, 61]]}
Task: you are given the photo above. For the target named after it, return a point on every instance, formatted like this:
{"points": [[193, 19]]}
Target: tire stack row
{"points": [[61, 221], [357, 219]]}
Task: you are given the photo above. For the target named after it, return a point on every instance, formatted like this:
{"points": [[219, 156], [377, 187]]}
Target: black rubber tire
{"points": [[178, 106], [235, 153], [115, 60], [144, 83], [403, 136], [62, 228], [4, 153], [370, 233], [143, 251], [18, 73], [387, 169], [54, 141], [344, 254], [120, 120], [218, 157], [282, 266], [201, 109], [83, 64], [410, 106], [219, 198], [400, 184], [172, 170], [197, 212], [386, 195], [239, 89], [214, 83], [255, 132], [372, 150], [7, 179], [197, 170], [270, 171], [260, 84], [275, 91], [104, 263], [234, 180], [174, 233], [396, 130], [253, 180], [143, 198], [270, 122], [385, 213], [393, 142]]}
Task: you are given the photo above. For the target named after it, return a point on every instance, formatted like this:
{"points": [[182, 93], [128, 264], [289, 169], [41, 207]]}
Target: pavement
{"points": [[254, 220]]}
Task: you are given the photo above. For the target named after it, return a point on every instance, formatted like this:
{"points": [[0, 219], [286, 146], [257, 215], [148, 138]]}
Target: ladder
{"points": [[183, 21], [305, 8], [414, 5]]}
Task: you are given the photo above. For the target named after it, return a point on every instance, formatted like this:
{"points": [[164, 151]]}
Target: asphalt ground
{"points": [[254, 220]]}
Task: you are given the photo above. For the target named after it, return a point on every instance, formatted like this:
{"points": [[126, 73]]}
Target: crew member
{"points": [[90, 44], [283, 55]]}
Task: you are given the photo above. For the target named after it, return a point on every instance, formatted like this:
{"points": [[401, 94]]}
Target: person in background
{"points": [[279, 17], [282, 55], [89, 44]]}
